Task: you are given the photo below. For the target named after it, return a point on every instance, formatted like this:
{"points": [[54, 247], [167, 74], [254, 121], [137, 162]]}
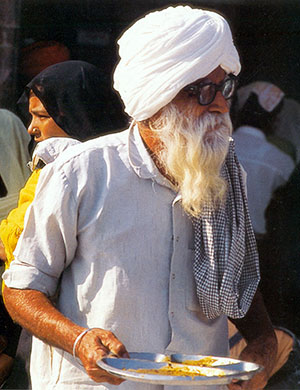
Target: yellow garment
{"points": [[12, 227], [14, 172]]}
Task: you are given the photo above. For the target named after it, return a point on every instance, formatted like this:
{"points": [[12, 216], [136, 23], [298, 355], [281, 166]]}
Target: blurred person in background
{"points": [[14, 146], [14, 141], [38, 55], [267, 160], [268, 155], [287, 124], [280, 271]]}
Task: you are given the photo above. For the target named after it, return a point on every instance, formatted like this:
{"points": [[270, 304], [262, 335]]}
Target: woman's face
{"points": [[42, 125]]}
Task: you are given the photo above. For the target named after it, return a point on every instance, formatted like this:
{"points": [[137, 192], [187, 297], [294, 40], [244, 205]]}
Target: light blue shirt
{"points": [[108, 224]]}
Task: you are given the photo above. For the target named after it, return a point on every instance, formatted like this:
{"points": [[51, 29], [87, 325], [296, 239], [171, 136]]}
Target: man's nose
{"points": [[30, 128], [219, 104]]}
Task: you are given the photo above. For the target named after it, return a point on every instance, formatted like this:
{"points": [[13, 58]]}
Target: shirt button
{"points": [[173, 276], [177, 238]]}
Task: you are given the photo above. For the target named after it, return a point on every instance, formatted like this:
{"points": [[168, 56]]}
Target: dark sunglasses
{"points": [[206, 90]]}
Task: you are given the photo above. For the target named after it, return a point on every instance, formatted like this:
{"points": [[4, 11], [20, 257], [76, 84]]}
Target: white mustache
{"points": [[194, 151]]}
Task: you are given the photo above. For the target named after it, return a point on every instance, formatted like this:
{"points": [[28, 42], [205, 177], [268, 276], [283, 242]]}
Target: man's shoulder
{"points": [[49, 149], [94, 147]]}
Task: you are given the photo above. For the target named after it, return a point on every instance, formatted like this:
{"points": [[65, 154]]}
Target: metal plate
{"points": [[229, 369], [152, 357]]}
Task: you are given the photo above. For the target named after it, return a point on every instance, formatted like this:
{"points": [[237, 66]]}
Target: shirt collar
{"points": [[140, 159], [47, 150]]}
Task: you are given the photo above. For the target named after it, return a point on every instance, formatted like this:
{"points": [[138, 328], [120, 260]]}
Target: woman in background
{"points": [[14, 142]]}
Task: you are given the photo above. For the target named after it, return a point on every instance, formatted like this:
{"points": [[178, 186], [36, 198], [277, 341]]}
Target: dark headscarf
{"points": [[78, 97]]}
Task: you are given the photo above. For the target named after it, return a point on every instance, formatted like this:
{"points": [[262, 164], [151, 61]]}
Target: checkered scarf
{"points": [[226, 265]]}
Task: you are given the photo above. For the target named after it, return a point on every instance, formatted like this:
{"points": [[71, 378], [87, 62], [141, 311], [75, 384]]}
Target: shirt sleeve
{"points": [[12, 226], [48, 242]]}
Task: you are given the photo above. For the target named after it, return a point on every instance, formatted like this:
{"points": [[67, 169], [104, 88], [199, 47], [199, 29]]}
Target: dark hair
{"points": [[78, 96]]}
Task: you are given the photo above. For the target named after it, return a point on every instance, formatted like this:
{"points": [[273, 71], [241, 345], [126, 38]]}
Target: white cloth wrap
{"points": [[167, 50], [269, 95]]}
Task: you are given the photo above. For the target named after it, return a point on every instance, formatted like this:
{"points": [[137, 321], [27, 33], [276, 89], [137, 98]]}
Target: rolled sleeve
{"points": [[48, 242], [24, 276]]}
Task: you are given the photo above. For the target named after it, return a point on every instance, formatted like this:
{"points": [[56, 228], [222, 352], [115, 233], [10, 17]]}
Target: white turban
{"points": [[167, 50]]}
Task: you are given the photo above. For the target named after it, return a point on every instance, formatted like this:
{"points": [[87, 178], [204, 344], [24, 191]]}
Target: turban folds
{"points": [[166, 50]]}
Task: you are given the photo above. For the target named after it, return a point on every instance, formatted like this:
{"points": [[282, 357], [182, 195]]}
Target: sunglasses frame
{"points": [[195, 89]]}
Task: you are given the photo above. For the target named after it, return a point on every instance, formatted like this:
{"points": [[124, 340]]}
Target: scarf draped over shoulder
{"points": [[226, 264]]}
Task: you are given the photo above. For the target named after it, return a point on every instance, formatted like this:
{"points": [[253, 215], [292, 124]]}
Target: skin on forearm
{"points": [[34, 311], [256, 322], [261, 348]]}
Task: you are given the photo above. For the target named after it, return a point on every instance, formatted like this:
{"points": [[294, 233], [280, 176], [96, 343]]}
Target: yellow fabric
{"points": [[14, 172], [12, 227]]}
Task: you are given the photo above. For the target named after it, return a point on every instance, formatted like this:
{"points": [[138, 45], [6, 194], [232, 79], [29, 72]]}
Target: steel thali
{"points": [[148, 367]]}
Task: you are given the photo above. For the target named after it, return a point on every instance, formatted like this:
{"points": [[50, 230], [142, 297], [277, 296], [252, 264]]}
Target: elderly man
{"points": [[110, 233]]}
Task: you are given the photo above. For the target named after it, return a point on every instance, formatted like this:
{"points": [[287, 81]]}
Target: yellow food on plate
{"points": [[204, 362], [174, 369]]}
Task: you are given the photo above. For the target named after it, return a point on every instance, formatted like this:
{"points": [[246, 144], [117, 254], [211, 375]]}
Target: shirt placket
{"points": [[177, 276]]}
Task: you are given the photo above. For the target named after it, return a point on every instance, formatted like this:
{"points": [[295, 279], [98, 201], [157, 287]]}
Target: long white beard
{"points": [[193, 153]]}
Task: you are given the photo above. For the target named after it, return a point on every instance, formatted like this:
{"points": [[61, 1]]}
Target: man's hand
{"points": [[35, 312], [95, 345], [261, 351], [261, 348]]}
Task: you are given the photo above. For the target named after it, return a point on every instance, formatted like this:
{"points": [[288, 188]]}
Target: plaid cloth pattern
{"points": [[226, 264]]}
